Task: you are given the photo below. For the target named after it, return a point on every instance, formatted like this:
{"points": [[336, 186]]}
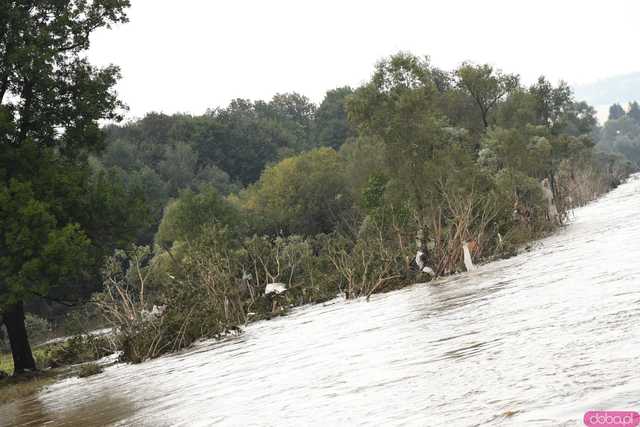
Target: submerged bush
{"points": [[367, 265], [198, 293], [89, 369], [78, 349], [123, 305], [426, 167]]}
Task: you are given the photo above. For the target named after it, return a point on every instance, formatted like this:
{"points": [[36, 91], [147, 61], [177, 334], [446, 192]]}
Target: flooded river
{"points": [[538, 339]]}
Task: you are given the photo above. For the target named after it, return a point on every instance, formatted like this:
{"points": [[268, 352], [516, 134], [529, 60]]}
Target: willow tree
{"points": [[54, 217]]}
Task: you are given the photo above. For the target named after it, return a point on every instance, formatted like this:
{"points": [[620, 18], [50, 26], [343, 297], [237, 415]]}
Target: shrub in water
{"points": [[90, 369]]}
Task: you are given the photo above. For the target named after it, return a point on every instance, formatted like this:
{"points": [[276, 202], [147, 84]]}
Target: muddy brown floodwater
{"points": [[538, 339]]}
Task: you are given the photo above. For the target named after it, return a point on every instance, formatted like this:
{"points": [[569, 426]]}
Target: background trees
{"points": [[255, 185], [616, 112], [305, 194], [184, 217], [332, 126], [620, 133]]}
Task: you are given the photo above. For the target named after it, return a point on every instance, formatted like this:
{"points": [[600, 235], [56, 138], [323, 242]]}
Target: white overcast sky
{"points": [[190, 55]]}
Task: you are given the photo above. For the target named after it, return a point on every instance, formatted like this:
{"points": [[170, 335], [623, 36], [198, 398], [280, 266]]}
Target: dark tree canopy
{"points": [[51, 102], [332, 124], [634, 112], [622, 135], [616, 111]]}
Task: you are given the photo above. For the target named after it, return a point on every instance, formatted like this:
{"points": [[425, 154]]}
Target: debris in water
{"points": [[275, 288], [421, 261], [468, 262]]}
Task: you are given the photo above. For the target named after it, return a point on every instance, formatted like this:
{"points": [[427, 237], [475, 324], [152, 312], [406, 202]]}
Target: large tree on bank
{"points": [[56, 217]]}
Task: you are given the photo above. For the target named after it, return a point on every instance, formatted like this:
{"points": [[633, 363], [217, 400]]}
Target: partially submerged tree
{"points": [[51, 99]]}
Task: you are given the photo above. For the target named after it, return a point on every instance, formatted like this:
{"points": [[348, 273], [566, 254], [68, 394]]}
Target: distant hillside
{"points": [[620, 89]]}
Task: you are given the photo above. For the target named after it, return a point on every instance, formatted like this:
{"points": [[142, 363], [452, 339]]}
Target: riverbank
{"points": [[85, 349], [527, 338], [15, 388], [55, 360]]}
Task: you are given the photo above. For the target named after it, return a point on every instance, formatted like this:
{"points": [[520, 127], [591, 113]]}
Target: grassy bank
{"points": [[314, 274], [54, 361], [6, 363]]}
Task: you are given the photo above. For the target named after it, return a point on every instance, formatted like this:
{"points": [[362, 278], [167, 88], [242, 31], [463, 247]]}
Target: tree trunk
{"points": [[554, 187], [485, 120], [13, 318]]}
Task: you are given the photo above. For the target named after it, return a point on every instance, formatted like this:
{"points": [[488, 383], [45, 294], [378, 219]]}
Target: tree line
{"points": [[620, 133], [199, 214]]}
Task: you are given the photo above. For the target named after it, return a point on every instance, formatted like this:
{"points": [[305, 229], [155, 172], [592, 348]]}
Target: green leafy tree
{"points": [[621, 136], [634, 112], [398, 108], [332, 124], [525, 150], [486, 86], [185, 217], [518, 110], [241, 143], [550, 102], [363, 157], [578, 119], [178, 168], [51, 99], [615, 112], [305, 194], [294, 115]]}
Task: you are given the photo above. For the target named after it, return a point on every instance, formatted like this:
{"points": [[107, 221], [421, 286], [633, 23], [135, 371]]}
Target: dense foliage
{"points": [[338, 199], [227, 148], [58, 218], [311, 201], [621, 133]]}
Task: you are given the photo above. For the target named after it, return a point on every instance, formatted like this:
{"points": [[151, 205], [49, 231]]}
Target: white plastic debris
{"points": [[429, 271], [552, 211], [275, 288], [155, 313], [468, 262], [420, 256], [158, 310]]}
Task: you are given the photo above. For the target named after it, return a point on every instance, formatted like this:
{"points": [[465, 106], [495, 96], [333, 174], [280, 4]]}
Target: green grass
{"points": [[6, 363], [41, 355]]}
